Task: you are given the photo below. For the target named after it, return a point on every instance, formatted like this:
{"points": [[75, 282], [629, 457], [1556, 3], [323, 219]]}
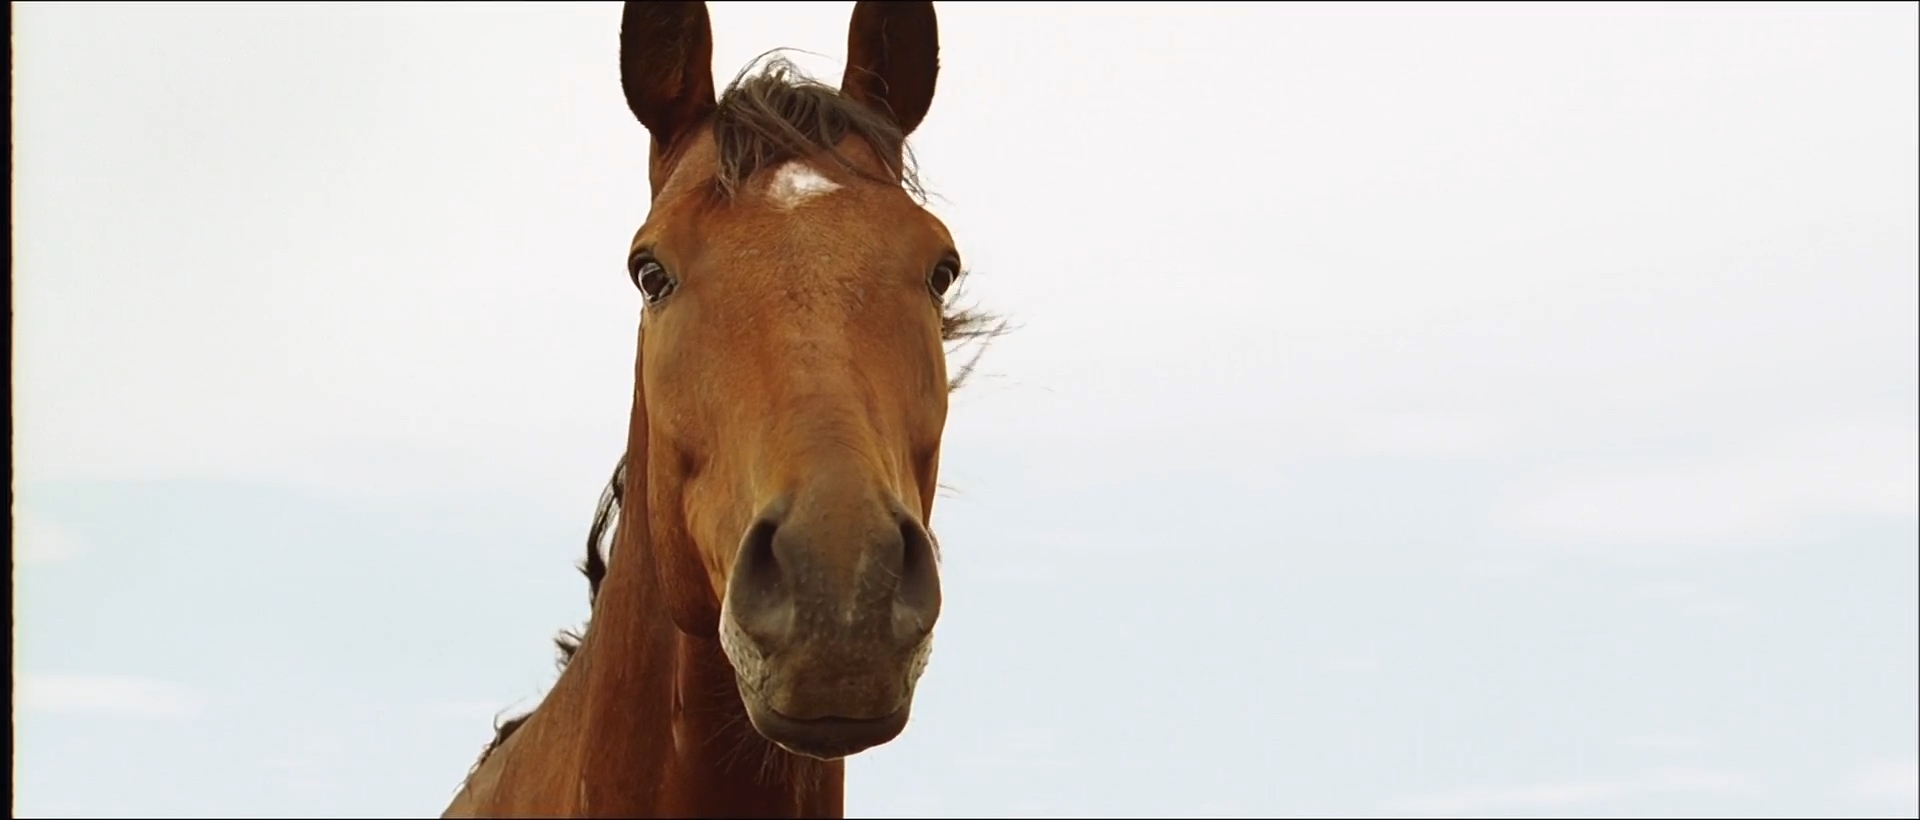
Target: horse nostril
{"points": [[917, 603], [760, 601], [757, 562]]}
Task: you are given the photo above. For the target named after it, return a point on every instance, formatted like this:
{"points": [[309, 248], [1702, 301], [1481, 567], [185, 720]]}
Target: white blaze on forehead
{"points": [[796, 182]]}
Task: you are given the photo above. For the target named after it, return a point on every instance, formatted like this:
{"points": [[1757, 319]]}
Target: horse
{"points": [[772, 603]]}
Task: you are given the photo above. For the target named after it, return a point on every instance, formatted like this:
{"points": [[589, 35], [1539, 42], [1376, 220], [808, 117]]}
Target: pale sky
{"points": [[1443, 410]]}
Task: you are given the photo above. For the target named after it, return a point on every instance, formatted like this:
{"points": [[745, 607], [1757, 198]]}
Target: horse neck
{"points": [[665, 732]]}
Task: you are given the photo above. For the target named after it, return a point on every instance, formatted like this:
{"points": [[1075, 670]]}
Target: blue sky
{"points": [[1455, 410]]}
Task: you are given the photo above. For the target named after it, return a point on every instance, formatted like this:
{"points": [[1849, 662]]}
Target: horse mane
{"points": [[776, 114], [763, 119]]}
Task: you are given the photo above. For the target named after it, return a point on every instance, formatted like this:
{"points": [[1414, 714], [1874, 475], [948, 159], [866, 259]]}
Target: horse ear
{"points": [[666, 66], [893, 57]]}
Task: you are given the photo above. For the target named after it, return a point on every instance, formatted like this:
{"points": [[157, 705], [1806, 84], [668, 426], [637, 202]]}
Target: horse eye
{"points": [[942, 278], [653, 280]]}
